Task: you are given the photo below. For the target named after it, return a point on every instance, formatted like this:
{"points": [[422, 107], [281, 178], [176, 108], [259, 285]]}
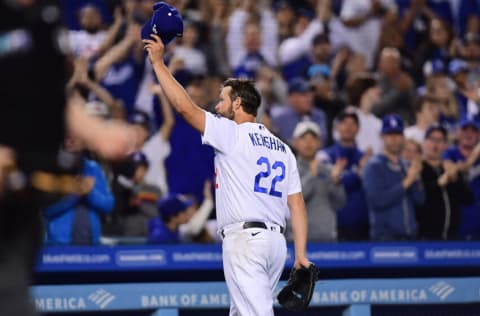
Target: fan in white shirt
{"points": [[157, 147], [362, 19], [193, 58], [363, 92], [87, 41]]}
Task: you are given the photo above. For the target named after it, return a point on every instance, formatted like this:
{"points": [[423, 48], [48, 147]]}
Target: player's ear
{"points": [[237, 103]]}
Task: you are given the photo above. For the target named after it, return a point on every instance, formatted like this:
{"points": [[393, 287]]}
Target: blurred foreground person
{"points": [[32, 120]]}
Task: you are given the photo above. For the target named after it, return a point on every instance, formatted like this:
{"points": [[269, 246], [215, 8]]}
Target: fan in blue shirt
{"points": [[174, 210], [352, 219], [467, 154]]}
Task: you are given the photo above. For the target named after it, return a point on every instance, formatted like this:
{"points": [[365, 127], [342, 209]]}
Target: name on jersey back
{"points": [[267, 141]]}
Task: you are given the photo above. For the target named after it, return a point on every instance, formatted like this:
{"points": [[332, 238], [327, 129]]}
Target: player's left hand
{"points": [[155, 48], [297, 294], [301, 262]]}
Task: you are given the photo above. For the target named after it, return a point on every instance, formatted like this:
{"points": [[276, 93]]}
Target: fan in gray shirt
{"points": [[321, 186]]}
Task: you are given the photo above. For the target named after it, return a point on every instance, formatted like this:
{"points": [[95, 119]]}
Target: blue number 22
{"points": [[264, 174]]}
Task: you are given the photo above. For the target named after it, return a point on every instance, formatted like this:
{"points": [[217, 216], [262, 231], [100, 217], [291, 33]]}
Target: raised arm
{"points": [[80, 76], [176, 94], [111, 140], [167, 113], [112, 31], [117, 53]]}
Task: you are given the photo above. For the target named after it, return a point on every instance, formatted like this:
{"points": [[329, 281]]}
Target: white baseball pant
{"points": [[253, 261]]}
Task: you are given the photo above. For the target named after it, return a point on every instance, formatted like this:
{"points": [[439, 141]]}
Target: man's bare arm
{"points": [[299, 226], [176, 94], [112, 32], [116, 53], [111, 140]]}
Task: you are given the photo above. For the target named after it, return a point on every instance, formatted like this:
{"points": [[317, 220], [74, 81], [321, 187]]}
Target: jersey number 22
{"points": [[265, 174]]}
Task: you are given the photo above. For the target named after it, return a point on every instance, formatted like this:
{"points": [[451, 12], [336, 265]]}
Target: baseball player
{"points": [[257, 184]]}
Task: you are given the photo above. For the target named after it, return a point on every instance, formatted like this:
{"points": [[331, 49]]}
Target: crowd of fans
{"points": [[379, 99]]}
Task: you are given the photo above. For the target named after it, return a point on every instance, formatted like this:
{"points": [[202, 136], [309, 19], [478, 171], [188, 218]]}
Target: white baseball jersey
{"points": [[255, 172]]}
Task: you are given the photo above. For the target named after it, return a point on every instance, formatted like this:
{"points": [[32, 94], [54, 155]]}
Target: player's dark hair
{"points": [[246, 91]]}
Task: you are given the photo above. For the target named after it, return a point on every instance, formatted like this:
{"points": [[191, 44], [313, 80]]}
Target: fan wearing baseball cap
{"points": [[174, 210], [300, 107], [465, 96], [352, 219], [141, 122], [392, 188], [466, 155], [321, 184]]}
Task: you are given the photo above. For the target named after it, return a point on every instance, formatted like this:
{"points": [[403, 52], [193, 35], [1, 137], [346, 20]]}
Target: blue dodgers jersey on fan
{"points": [[255, 172], [159, 233], [355, 212], [122, 81], [470, 222], [249, 66]]}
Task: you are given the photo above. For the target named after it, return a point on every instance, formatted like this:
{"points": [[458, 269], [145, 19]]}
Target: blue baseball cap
{"points": [[306, 13], [282, 4], [322, 70], [165, 22], [138, 158], [298, 84], [348, 112], [140, 118], [457, 65], [469, 123], [129, 165], [434, 67], [392, 124], [173, 204]]}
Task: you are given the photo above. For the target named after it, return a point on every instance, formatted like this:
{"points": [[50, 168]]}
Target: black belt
{"points": [[255, 225]]}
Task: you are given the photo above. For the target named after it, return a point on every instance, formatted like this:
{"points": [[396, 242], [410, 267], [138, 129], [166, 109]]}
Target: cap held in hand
{"points": [[165, 22]]}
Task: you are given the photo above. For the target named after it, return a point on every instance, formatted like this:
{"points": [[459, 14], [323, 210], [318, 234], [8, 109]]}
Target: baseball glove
{"points": [[297, 293]]}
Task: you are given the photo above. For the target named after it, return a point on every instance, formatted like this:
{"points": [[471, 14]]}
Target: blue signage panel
{"points": [[139, 296], [328, 255]]}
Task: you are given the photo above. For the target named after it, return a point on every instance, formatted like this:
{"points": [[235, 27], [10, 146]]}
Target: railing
{"points": [[358, 296]]}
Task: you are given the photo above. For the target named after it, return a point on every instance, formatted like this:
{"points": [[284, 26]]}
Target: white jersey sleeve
{"points": [[219, 133], [294, 184]]}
